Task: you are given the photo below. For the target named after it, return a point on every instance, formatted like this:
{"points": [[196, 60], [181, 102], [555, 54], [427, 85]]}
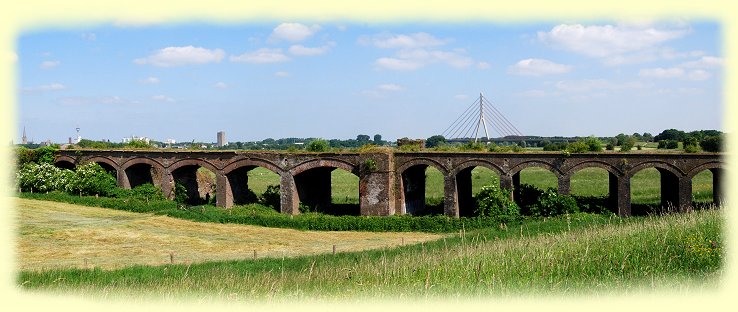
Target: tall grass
{"points": [[571, 254]]}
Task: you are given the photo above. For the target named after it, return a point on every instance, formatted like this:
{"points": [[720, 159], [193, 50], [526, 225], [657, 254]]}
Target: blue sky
{"points": [[339, 79]]}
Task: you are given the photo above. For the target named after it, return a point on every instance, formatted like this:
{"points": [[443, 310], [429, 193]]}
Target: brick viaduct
{"points": [[393, 183]]}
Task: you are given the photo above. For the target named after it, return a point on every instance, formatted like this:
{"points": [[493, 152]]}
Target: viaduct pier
{"points": [[393, 182]]}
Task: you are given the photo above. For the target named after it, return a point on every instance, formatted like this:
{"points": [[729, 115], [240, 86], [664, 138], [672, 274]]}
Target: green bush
{"points": [[145, 192], [317, 145], [550, 203], [593, 144], [44, 177], [180, 195], [527, 196], [668, 144], [577, 147], [712, 144], [271, 197], [92, 179], [491, 201]]}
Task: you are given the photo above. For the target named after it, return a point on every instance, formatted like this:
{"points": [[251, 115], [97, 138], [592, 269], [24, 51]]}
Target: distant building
{"points": [[135, 138], [222, 139], [24, 139]]}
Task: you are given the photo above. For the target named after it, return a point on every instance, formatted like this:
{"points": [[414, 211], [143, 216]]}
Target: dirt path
{"points": [[58, 235]]}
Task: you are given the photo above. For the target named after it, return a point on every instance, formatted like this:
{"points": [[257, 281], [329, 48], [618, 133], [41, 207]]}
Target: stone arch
{"points": [[535, 163], [674, 193], [313, 185], [200, 189], [461, 175], [108, 164], [141, 170], [192, 162], [423, 161], [253, 162], [411, 184], [594, 164], [65, 162], [703, 167], [716, 168], [236, 182], [476, 163], [324, 162]]}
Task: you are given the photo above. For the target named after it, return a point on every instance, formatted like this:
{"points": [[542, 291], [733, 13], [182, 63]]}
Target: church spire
{"points": [[24, 139]]}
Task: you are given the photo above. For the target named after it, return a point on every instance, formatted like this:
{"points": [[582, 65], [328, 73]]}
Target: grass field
{"points": [[575, 254], [645, 185], [58, 235]]}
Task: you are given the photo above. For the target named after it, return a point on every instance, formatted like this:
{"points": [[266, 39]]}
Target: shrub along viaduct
{"points": [[392, 183]]}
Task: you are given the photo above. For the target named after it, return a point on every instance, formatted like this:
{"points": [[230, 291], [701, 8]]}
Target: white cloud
{"points": [[398, 64], [49, 64], [415, 51], [538, 67], [43, 88], [163, 98], [180, 56], [673, 72], [150, 80], [607, 40], [586, 85], [704, 62], [535, 93], [301, 50], [282, 74], [417, 58], [693, 70], [105, 100], [483, 65], [698, 74], [293, 32], [261, 56], [89, 36], [390, 87], [616, 44], [220, 85], [461, 96], [411, 41]]}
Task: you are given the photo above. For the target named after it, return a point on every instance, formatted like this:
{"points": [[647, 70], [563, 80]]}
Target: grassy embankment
{"points": [[564, 255]]}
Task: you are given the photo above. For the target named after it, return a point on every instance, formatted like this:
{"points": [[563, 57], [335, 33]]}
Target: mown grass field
{"points": [[58, 235], [575, 254], [645, 185]]}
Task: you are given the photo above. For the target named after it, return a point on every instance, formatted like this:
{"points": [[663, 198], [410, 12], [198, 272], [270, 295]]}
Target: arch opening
{"points": [[328, 190], [423, 190], [469, 182], [108, 168], [142, 173], [704, 193], [528, 183], [194, 185], [63, 164], [251, 184], [653, 190], [595, 190]]}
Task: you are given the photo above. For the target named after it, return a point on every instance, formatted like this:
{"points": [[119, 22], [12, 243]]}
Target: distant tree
{"points": [[434, 141], [621, 138], [647, 137], [712, 144], [627, 144], [670, 134], [317, 145], [593, 144], [362, 139], [378, 139], [637, 136]]}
